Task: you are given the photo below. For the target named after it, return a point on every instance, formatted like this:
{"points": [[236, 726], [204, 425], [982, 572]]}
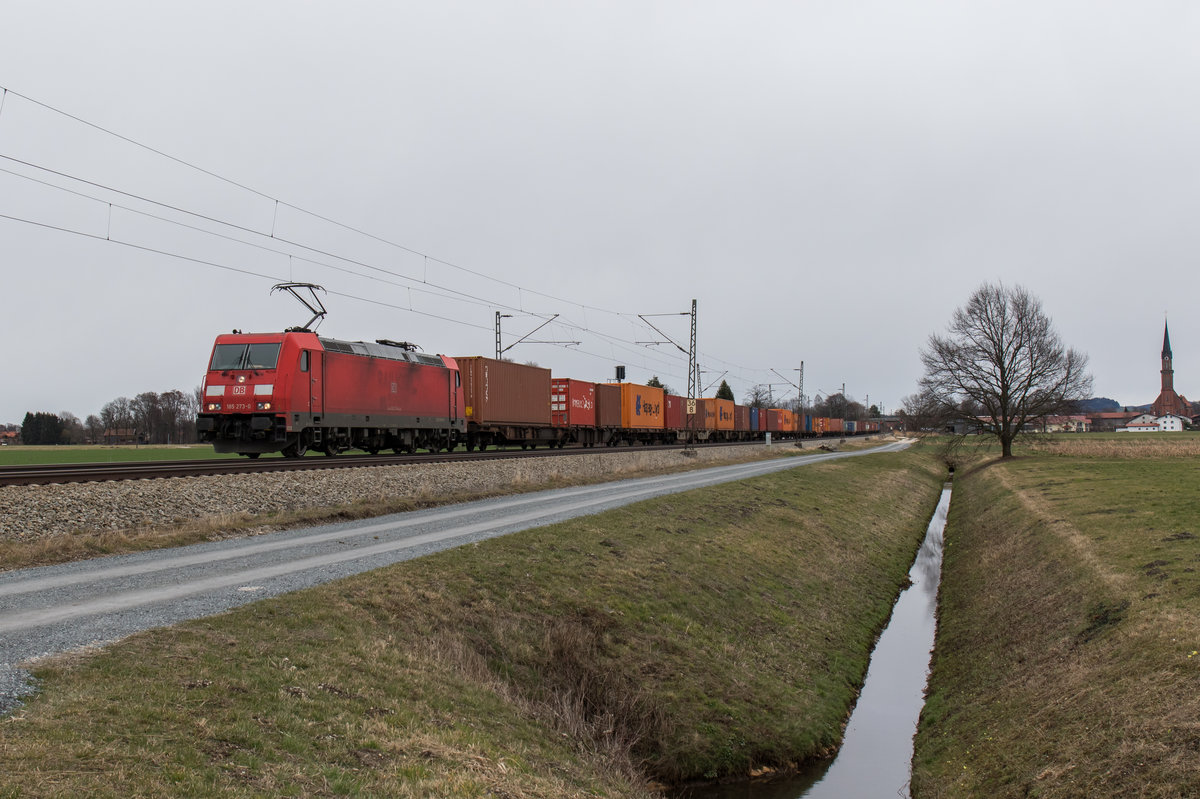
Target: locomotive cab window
{"points": [[245, 356], [262, 356], [304, 361]]}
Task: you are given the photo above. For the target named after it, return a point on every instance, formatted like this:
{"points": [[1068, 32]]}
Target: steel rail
{"points": [[45, 474]]}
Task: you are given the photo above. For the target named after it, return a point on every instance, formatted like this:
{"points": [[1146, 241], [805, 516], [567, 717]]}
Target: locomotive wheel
{"points": [[296, 450], [250, 455]]}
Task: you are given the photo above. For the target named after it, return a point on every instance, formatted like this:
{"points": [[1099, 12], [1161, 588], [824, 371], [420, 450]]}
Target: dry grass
{"points": [[704, 633], [1115, 445], [1066, 661]]}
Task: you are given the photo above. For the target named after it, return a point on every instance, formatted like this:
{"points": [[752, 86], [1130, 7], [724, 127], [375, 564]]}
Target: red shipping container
{"points": [[741, 418], [572, 403], [836, 425], [502, 392], [674, 416], [608, 405]]}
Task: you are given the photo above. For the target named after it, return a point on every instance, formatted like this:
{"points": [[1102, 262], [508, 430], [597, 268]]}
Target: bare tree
{"points": [[1002, 358], [72, 428], [95, 429], [838, 406], [173, 406], [921, 411], [147, 416], [758, 396]]}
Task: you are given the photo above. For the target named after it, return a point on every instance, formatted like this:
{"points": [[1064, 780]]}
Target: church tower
{"points": [[1168, 401]]}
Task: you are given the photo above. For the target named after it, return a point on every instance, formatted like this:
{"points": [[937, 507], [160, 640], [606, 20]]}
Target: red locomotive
{"points": [[292, 392]]}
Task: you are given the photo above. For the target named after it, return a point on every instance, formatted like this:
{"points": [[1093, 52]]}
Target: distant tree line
{"points": [[41, 428], [148, 418]]}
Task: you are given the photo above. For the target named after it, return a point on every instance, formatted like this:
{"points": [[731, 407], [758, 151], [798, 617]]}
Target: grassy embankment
{"points": [[1067, 658], [695, 635]]}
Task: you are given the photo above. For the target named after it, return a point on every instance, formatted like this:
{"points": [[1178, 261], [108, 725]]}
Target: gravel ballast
{"points": [[34, 513]]}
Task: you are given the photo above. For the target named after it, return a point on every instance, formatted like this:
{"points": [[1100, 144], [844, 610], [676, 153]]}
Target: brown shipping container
{"points": [[501, 392], [641, 407], [836, 425], [572, 403], [706, 415], [674, 416], [608, 405], [741, 418]]}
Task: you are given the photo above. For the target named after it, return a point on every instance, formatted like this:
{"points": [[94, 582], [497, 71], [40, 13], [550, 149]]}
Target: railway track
{"points": [[148, 470]]}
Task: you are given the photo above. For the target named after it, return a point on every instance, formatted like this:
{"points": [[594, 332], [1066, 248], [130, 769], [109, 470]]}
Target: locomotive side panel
{"points": [[362, 390]]}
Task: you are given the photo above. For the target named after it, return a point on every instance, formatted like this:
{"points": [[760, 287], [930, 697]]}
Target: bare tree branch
{"points": [[1000, 366]]}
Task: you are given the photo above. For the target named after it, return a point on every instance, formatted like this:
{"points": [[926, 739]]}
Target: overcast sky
{"points": [[829, 180]]}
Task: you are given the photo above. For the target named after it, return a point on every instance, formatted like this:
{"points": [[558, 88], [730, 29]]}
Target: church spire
{"points": [[1166, 353]]}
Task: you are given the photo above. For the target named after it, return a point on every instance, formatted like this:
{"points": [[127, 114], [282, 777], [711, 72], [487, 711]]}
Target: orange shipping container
{"points": [[641, 407], [724, 412], [781, 421]]}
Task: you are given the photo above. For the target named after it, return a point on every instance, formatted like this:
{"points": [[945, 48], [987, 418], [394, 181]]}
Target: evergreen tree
{"points": [[725, 392]]}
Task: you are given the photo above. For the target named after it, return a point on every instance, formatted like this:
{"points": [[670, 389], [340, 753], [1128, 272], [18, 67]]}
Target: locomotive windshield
{"points": [[245, 356]]}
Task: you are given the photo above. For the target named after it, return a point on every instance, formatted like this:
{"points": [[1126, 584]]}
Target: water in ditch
{"points": [[876, 755]]}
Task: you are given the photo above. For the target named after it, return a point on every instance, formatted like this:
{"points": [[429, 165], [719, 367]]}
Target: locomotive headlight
{"points": [[213, 406], [264, 406], [241, 378]]}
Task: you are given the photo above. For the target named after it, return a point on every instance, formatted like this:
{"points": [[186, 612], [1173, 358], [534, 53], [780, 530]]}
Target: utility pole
{"points": [[801, 386], [693, 369], [693, 379], [525, 338], [500, 316]]}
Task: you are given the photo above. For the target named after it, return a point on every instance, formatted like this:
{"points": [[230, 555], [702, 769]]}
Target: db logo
{"points": [[239, 389]]}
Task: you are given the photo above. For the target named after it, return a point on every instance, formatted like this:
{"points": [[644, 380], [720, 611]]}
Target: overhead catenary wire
{"points": [[449, 293], [271, 234]]}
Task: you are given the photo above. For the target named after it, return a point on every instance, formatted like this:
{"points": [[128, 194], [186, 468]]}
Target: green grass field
{"points": [[31, 456], [695, 635], [1067, 657]]}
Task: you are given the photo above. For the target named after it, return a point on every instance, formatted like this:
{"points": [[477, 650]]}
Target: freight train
{"points": [[295, 391]]}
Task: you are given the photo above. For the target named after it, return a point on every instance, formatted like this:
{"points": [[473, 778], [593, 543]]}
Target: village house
{"points": [[1149, 423], [1066, 424]]}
